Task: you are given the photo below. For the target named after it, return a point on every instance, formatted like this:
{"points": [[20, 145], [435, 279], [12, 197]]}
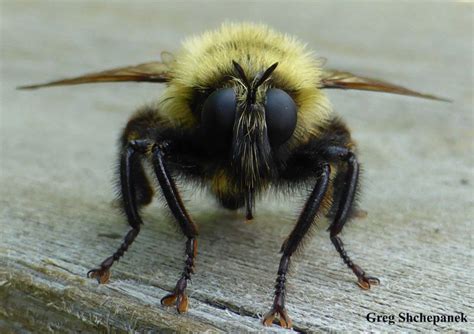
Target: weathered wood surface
{"points": [[58, 150]]}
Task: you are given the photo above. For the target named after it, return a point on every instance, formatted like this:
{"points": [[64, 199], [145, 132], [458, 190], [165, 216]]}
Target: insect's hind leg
{"points": [[344, 206]]}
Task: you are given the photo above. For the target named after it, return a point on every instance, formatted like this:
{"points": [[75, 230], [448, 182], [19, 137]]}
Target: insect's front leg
{"points": [[178, 297], [291, 244]]}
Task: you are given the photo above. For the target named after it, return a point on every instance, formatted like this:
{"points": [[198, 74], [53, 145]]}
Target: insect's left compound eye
{"points": [[280, 114], [218, 114]]}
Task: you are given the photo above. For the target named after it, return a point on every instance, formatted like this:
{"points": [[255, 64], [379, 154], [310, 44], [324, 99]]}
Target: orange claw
{"points": [[365, 282], [180, 300], [102, 275], [182, 303], [169, 300], [268, 319], [285, 321]]}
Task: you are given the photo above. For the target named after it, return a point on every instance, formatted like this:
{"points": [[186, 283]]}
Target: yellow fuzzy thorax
{"points": [[206, 60]]}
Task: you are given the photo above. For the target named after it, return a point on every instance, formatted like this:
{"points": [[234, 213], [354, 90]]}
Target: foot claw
{"points": [[365, 282], [169, 300], [180, 299], [285, 321], [101, 274]]}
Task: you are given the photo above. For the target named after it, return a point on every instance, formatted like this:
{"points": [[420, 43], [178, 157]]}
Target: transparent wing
{"points": [[345, 80], [147, 72]]}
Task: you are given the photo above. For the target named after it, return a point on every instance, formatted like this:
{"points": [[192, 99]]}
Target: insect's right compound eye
{"points": [[218, 114]]}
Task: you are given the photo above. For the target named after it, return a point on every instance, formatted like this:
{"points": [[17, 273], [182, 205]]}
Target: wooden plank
{"points": [[58, 220]]}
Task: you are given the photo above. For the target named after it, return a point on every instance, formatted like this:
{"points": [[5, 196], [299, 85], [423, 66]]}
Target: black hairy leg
{"points": [[291, 244], [128, 159], [178, 297], [344, 206]]}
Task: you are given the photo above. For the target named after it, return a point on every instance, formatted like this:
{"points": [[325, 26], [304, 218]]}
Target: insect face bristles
{"points": [[251, 153]]}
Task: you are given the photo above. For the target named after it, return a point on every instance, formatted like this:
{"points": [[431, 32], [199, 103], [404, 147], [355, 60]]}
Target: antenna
{"points": [[259, 79]]}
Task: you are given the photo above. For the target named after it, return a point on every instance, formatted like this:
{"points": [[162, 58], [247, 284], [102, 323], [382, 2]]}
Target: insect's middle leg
{"points": [[291, 244], [346, 200], [133, 187]]}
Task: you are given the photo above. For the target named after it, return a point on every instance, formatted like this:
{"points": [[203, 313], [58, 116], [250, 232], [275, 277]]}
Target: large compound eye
{"points": [[280, 114], [218, 114]]}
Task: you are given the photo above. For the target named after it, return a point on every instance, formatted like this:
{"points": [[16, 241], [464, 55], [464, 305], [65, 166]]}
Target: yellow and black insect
{"points": [[244, 110]]}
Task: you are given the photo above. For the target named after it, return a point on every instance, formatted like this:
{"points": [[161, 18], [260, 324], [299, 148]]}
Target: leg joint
{"points": [[140, 145], [339, 153], [145, 146], [161, 147]]}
